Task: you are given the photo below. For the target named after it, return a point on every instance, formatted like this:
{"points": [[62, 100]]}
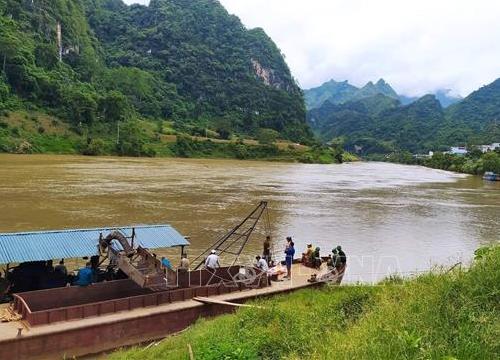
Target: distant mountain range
{"points": [[342, 92], [374, 119]]}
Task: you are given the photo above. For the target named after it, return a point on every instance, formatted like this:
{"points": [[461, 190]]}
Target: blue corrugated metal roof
{"points": [[47, 245]]}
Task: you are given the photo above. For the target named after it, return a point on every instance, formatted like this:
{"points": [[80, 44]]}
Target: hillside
{"points": [[342, 92], [190, 63], [440, 315], [480, 109], [380, 124], [332, 91]]}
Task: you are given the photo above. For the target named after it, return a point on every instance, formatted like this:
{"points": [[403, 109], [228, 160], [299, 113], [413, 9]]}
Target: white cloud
{"points": [[417, 46]]}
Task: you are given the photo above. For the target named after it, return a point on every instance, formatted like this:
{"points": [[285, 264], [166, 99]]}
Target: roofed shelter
{"points": [[48, 245]]}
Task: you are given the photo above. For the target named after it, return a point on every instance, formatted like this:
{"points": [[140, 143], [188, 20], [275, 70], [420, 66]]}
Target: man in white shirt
{"points": [[261, 264], [212, 261], [264, 267]]}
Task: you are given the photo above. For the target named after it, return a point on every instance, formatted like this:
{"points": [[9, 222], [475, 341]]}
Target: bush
{"points": [[132, 140], [267, 136], [241, 152], [94, 147], [184, 146]]}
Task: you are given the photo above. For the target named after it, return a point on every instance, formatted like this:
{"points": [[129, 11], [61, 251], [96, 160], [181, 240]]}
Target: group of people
{"points": [[336, 261], [311, 257], [336, 264], [183, 266]]}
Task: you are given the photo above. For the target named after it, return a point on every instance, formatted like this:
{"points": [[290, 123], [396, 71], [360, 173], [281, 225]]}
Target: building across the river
{"points": [[490, 147]]}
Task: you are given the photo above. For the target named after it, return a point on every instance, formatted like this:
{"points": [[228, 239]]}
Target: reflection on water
{"points": [[387, 217]]}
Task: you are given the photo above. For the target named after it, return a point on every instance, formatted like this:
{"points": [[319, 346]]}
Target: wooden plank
{"points": [[222, 302]]}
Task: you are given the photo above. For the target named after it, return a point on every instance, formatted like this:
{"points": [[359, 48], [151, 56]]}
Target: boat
{"points": [[149, 304], [491, 176]]}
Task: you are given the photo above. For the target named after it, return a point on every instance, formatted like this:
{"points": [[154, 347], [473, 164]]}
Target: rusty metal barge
{"points": [[134, 300]]}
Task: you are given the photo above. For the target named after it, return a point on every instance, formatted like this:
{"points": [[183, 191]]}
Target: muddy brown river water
{"points": [[388, 218]]}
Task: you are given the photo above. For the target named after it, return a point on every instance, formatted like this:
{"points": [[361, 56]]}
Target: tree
{"points": [[267, 136], [81, 106], [114, 106], [491, 162], [133, 137], [4, 92]]}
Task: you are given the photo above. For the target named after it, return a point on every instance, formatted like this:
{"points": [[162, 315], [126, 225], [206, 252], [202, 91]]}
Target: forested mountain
{"points": [[332, 91], [445, 98], [381, 124], [480, 109], [341, 92], [371, 89], [186, 61]]}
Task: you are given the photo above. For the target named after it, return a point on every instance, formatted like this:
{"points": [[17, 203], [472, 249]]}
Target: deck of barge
{"points": [[107, 332]]}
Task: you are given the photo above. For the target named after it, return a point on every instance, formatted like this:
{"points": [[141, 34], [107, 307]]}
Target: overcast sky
{"points": [[418, 46]]}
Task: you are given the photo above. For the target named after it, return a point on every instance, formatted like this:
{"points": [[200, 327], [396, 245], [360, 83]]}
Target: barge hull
{"points": [[108, 332]]}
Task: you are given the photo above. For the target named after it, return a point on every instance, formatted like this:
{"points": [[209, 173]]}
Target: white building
{"points": [[458, 150], [491, 147]]}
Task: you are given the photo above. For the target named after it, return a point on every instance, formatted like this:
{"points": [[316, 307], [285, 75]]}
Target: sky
{"points": [[418, 46]]}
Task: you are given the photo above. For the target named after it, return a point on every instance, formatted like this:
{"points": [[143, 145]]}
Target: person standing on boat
{"points": [[341, 264], [267, 250], [289, 253], [166, 263], [184, 266], [212, 261]]}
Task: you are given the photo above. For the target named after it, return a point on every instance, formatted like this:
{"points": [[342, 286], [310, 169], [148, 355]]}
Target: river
{"points": [[388, 218]]}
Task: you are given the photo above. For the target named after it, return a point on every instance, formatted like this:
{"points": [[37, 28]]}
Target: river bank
{"points": [[444, 314], [474, 163], [35, 133]]}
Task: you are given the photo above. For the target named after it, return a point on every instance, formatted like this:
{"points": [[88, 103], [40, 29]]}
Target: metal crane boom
{"points": [[239, 235]]}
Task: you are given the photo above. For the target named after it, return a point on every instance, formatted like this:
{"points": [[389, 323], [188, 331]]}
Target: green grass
{"points": [[453, 315], [34, 132]]}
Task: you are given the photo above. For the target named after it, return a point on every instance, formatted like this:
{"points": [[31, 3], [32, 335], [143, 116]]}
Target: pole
{"points": [[118, 133]]}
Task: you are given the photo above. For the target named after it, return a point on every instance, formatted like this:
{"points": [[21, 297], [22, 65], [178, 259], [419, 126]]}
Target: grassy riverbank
{"points": [[31, 132], [474, 163], [440, 315]]}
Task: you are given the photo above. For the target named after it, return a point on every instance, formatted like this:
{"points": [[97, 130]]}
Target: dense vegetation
{"points": [[186, 62], [474, 163], [23, 132], [381, 125], [440, 315]]}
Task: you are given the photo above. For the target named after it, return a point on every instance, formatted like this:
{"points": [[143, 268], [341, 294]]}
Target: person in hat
{"points": [[341, 263], [307, 255], [212, 261]]}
